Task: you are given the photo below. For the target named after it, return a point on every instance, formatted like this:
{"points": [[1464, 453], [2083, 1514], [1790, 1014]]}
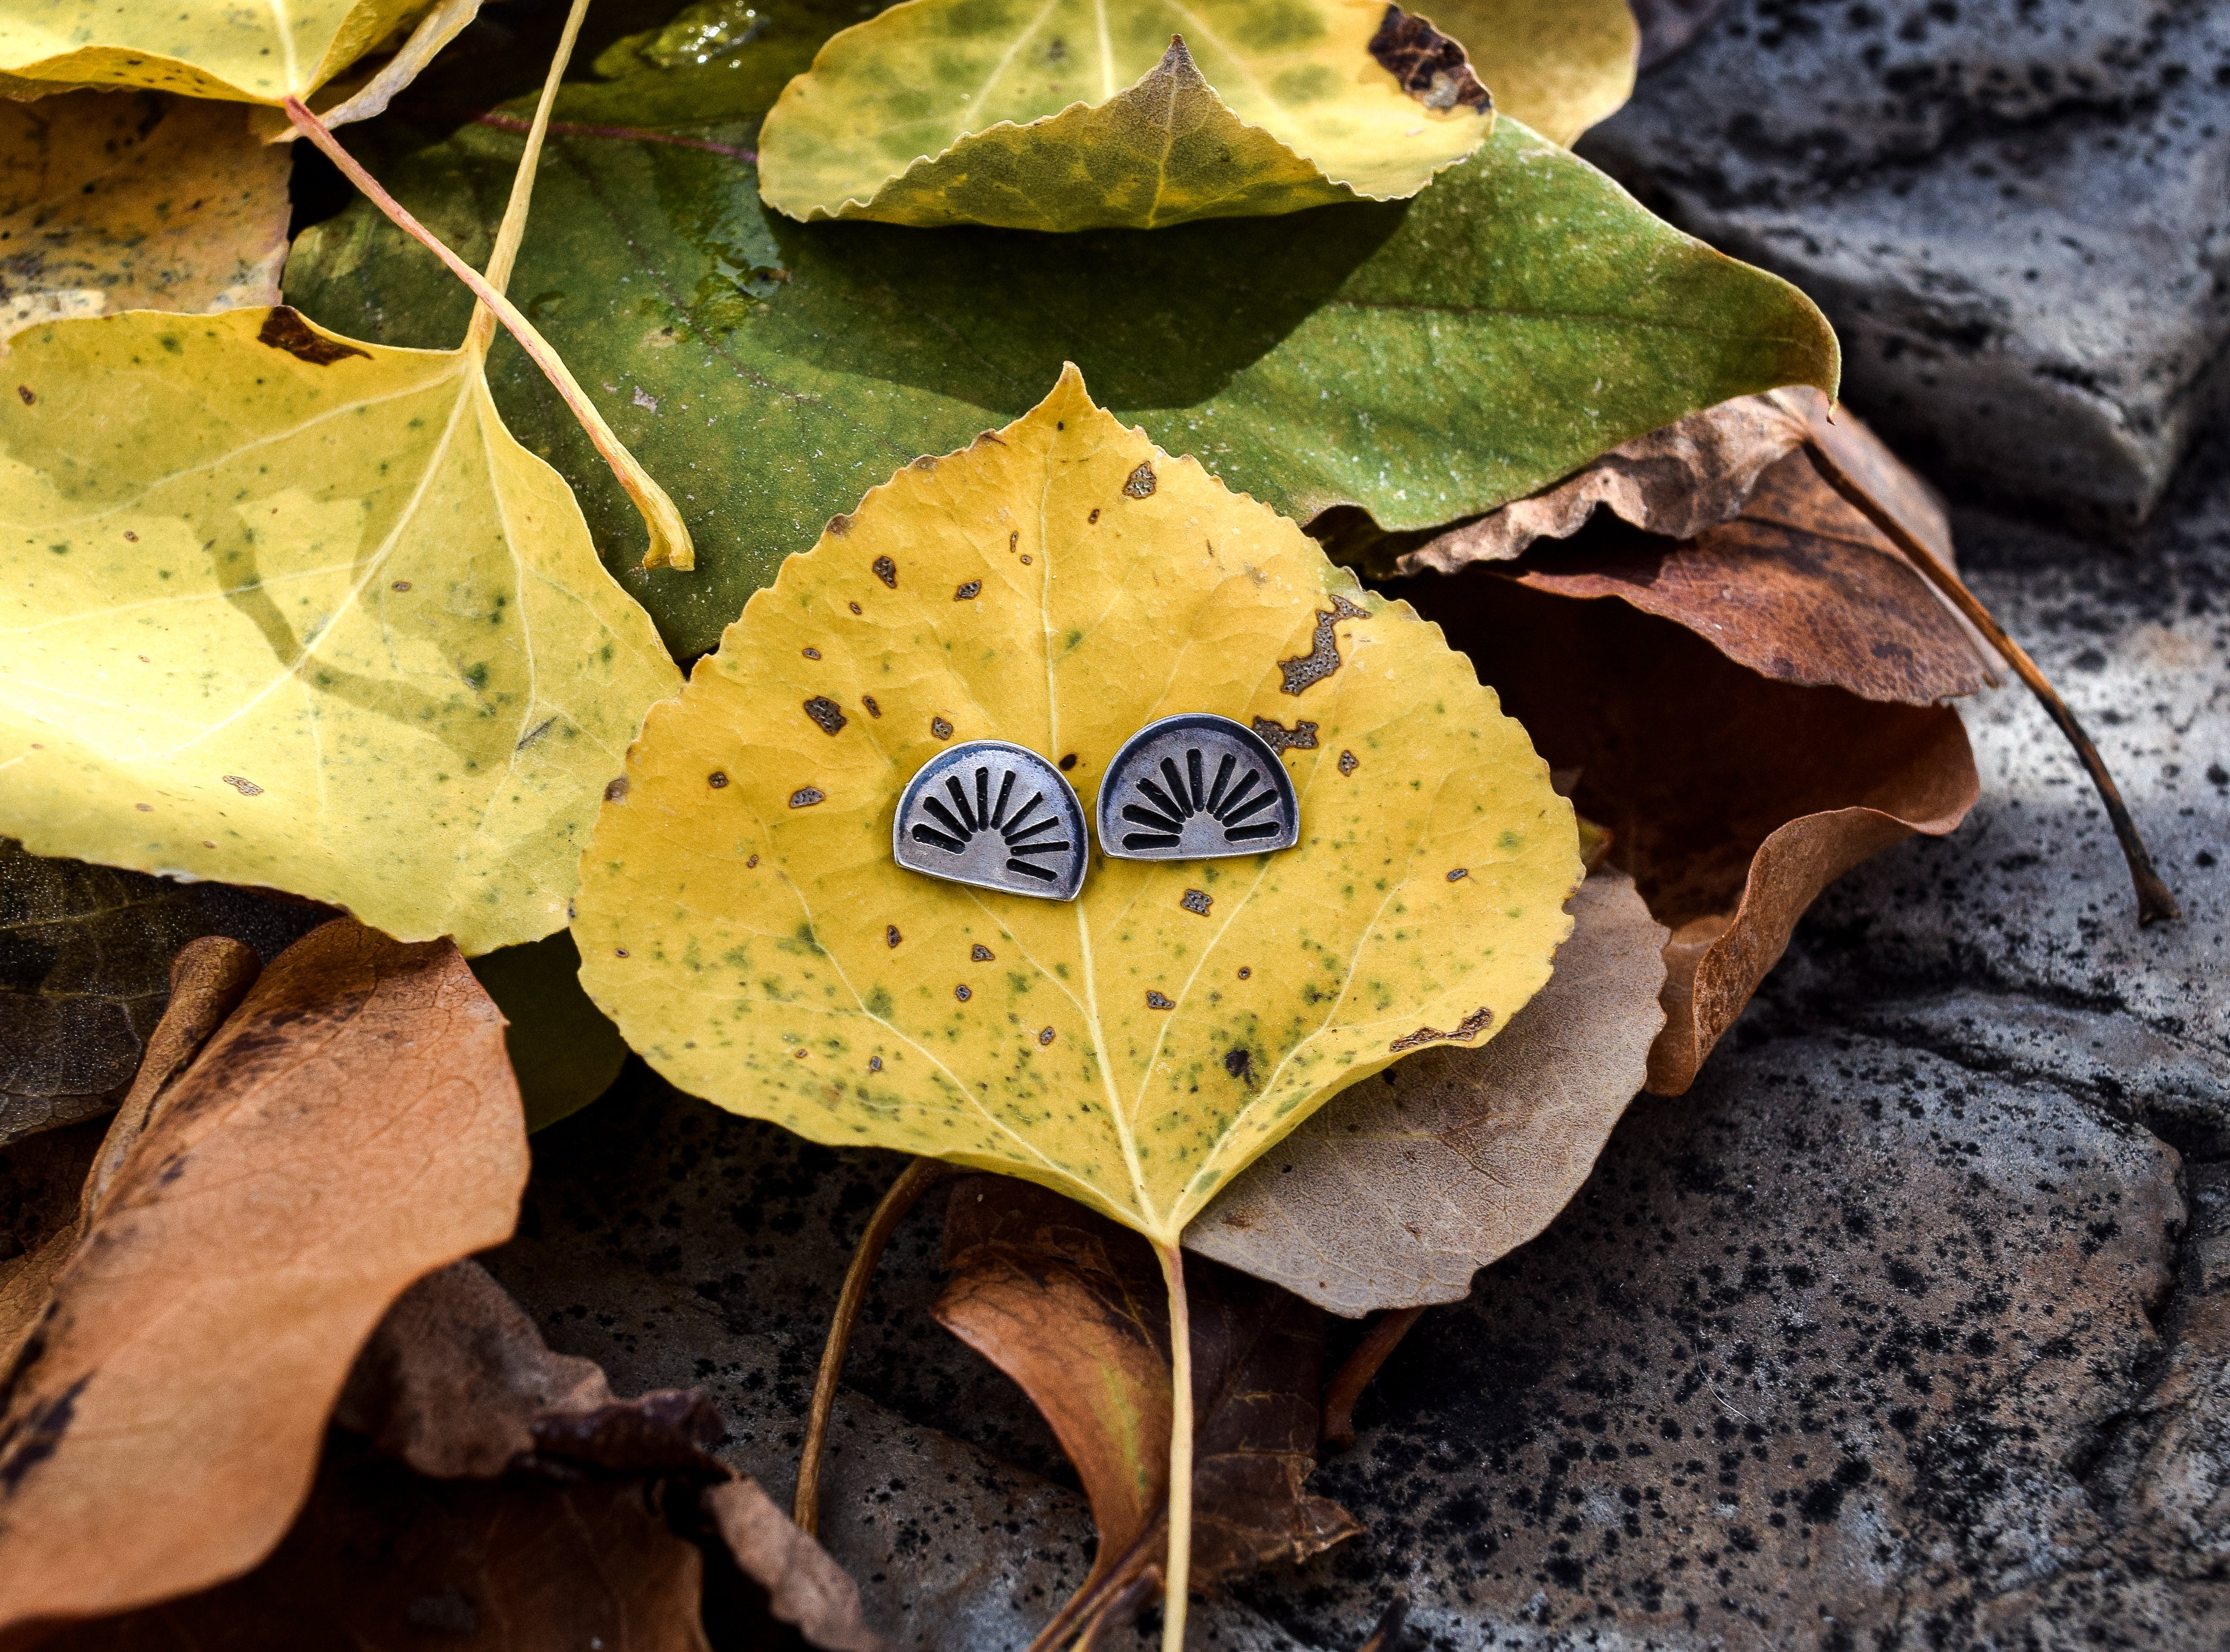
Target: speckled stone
{"points": [[2016, 214]]}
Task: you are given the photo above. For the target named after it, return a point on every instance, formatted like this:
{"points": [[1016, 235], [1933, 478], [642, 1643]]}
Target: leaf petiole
{"points": [[670, 545], [1180, 1555]]}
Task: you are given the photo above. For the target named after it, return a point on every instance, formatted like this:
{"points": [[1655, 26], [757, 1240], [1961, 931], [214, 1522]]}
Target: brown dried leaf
{"points": [[383, 1558], [1401, 1189], [351, 1126], [1073, 1308], [1800, 587], [804, 1587], [136, 201], [1733, 799]]}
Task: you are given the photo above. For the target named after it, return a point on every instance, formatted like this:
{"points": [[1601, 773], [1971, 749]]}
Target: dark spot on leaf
{"points": [[1045, 1036], [968, 593], [241, 785], [400, 584], [1307, 670], [1157, 1001], [925, 462], [1461, 872], [839, 525], [962, 992], [1240, 1063], [615, 791], [868, 701], [981, 953], [750, 864], [24, 390], [1197, 901], [806, 796], [886, 570], [1349, 763], [874, 1063], [828, 716], [939, 727], [1430, 67], [855, 607], [891, 934], [38, 1434], [619, 952], [1013, 539], [717, 780], [1301, 737], [799, 1054], [1245, 973], [1068, 763], [811, 654], [284, 329], [1141, 484], [1470, 1028], [1090, 519]]}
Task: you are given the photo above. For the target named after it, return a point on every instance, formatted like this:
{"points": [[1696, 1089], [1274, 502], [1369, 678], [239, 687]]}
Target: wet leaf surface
{"points": [[1400, 1189], [287, 609], [85, 955], [352, 1125], [1062, 584], [138, 201], [1313, 359], [1072, 1308], [1070, 116], [1732, 802]]}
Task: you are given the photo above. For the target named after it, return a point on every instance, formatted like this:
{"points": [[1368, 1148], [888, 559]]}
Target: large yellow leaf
{"points": [[1058, 584], [277, 608], [1557, 66], [252, 53], [1075, 114]]}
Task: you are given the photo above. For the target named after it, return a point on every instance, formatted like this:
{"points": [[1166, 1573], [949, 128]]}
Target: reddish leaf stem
{"points": [[1179, 1564], [2154, 901], [1355, 1374], [905, 1193]]}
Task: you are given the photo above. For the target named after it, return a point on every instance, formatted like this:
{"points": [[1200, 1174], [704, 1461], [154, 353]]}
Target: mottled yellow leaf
{"points": [[1058, 584], [1558, 66], [1072, 114], [250, 54], [139, 201], [278, 608]]}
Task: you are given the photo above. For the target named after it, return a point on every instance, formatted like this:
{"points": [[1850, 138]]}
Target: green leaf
{"points": [[277, 608], [1075, 115], [247, 53], [1058, 585], [1426, 360]]}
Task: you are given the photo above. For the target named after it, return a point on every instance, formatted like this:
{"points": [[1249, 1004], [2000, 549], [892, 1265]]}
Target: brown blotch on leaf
{"points": [[241, 785], [828, 716], [868, 701], [1159, 1001], [1197, 901], [806, 796], [799, 1053], [619, 952], [1466, 1030], [1013, 539], [24, 390], [400, 584], [751, 864], [1349, 763], [1141, 483], [874, 1063], [615, 791], [717, 780], [883, 567], [1092, 519], [1461, 872], [1240, 1063], [1301, 737], [1067, 762], [927, 461], [891, 935], [810, 654], [939, 727], [968, 593], [1307, 670], [839, 525], [1431, 67], [962, 992], [1045, 1036], [855, 608], [284, 329], [1245, 973], [981, 953]]}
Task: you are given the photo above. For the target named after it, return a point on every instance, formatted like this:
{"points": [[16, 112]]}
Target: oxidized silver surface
{"points": [[996, 816], [1193, 787]]}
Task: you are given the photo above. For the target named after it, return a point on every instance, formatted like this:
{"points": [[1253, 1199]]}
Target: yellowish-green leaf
{"points": [[278, 608], [1079, 115], [1559, 65], [1058, 584], [136, 203], [242, 53]]}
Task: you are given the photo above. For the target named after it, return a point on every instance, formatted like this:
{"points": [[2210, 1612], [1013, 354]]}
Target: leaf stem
{"points": [[1180, 1555], [1357, 1370], [512, 230], [2154, 901], [670, 545], [905, 1193]]}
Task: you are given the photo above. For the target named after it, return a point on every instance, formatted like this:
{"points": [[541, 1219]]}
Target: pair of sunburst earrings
{"points": [[997, 816]]}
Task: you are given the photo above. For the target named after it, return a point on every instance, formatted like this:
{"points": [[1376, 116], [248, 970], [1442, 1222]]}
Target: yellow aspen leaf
{"points": [[242, 53], [1058, 585], [283, 608], [1077, 116], [1556, 66]]}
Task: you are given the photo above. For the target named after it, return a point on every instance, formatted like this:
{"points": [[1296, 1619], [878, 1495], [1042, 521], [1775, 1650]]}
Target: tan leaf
{"points": [[1733, 799], [1072, 1308], [804, 1586], [135, 202], [1401, 1189], [352, 1125]]}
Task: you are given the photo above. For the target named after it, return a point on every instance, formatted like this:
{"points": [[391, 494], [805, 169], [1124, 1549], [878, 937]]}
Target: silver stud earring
{"points": [[994, 816], [1196, 786]]}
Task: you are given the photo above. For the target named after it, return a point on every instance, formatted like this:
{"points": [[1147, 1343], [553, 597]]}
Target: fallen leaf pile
{"points": [[371, 797]]}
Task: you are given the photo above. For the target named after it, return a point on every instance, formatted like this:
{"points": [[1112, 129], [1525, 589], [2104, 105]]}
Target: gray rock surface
{"points": [[2016, 213]]}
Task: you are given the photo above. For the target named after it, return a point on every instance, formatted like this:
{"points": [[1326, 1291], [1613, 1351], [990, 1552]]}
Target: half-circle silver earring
{"points": [[994, 816], [1194, 787]]}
